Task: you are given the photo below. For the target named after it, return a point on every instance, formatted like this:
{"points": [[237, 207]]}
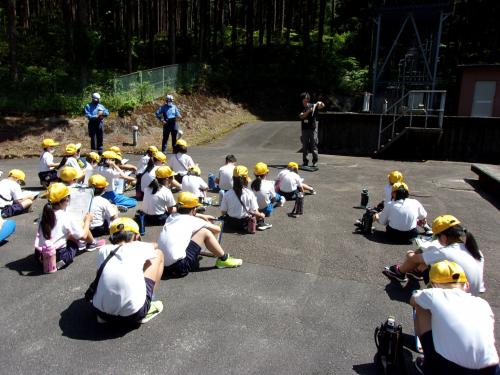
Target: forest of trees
{"points": [[264, 48]]}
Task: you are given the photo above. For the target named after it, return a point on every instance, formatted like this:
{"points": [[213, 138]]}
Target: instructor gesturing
{"points": [[96, 112], [167, 114], [309, 129]]}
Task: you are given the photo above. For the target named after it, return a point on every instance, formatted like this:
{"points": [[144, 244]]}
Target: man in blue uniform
{"points": [[96, 112], [167, 114]]}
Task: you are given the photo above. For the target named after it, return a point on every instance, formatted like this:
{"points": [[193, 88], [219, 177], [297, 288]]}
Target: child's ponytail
{"points": [[256, 184], [48, 221], [457, 233], [471, 245]]}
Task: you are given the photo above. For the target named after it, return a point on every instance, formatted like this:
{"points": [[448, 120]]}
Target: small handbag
{"points": [[251, 224]]}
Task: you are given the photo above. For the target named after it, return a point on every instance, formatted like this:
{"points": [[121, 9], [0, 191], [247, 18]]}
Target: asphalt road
{"points": [[306, 300]]}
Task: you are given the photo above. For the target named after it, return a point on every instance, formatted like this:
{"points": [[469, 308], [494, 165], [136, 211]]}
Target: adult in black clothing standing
{"points": [[309, 129]]}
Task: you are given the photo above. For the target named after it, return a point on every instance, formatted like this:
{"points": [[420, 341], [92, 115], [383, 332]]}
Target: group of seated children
{"points": [[455, 326]]}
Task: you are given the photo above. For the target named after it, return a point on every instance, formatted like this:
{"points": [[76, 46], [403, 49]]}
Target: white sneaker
{"points": [[282, 202]]}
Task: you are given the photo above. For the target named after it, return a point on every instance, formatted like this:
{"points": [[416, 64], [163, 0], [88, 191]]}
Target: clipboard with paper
{"points": [[79, 204]]}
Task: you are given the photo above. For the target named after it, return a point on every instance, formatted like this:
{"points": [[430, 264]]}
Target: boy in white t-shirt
{"points": [[47, 173], [103, 212], [12, 200], [225, 178], [193, 183], [290, 183], [264, 190], [456, 329], [93, 159], [125, 289], [183, 235]]}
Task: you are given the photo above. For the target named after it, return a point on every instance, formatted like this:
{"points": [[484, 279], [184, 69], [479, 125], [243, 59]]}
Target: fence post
{"points": [[114, 85], [140, 84]]}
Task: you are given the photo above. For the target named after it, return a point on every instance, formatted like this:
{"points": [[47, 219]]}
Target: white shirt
{"points": [[226, 176], [289, 181], [148, 177], [156, 204], [45, 159], [72, 162], [462, 326], [10, 191], [89, 171], [180, 163], [402, 214], [176, 235], [231, 204], [457, 253], [265, 194], [194, 184], [122, 290], [388, 193], [143, 163], [111, 175], [102, 210], [66, 226]]}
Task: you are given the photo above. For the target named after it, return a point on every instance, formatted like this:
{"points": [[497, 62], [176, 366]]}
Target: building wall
{"points": [[470, 75]]}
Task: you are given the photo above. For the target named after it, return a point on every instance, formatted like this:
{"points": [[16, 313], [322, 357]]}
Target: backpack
{"points": [[365, 225], [298, 208], [389, 341]]}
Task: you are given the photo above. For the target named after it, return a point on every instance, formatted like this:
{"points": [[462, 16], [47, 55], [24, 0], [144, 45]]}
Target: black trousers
{"points": [[96, 134], [169, 128]]}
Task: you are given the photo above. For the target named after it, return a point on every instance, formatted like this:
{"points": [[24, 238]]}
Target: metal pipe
{"points": [[375, 60]]}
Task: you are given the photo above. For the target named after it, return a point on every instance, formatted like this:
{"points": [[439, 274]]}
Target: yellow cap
{"points": [[241, 171], [49, 142], [94, 156], [395, 176], [164, 172], [123, 224], [19, 174], [186, 199], [98, 181], [398, 185], [160, 156], [57, 192], [195, 169], [293, 164], [260, 169], [68, 174], [443, 222], [153, 149], [71, 149], [181, 142], [111, 155], [115, 149], [447, 272]]}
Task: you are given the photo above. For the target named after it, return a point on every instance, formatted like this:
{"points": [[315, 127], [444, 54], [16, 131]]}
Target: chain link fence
{"points": [[159, 80]]}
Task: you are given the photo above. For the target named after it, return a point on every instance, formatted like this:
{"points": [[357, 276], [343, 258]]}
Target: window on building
{"points": [[484, 95]]}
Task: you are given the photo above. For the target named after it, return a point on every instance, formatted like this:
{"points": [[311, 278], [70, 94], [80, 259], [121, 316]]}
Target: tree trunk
{"points": [[12, 36], [24, 14], [332, 20], [249, 23], [321, 25], [82, 45], [234, 35], [260, 20], [269, 22], [172, 10], [305, 24], [288, 21]]}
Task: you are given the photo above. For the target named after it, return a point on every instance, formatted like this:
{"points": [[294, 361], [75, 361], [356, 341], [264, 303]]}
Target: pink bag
{"points": [[251, 224]]}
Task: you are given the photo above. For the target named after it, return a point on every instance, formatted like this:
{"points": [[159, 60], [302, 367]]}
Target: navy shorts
{"points": [[435, 363], [401, 236], [12, 210], [155, 220], [188, 264], [289, 196], [139, 314], [99, 231]]}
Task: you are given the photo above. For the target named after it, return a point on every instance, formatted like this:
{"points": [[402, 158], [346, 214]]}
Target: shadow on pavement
{"points": [[374, 369], [483, 192], [172, 276], [26, 266], [79, 322], [379, 236], [397, 292]]}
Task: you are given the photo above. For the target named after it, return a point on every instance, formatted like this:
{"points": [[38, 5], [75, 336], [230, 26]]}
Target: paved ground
{"points": [[305, 301]]}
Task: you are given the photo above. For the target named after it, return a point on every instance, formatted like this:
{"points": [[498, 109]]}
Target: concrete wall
{"points": [[472, 74], [463, 139]]}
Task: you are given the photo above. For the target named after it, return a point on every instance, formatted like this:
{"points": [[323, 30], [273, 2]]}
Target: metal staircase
{"points": [[413, 121]]}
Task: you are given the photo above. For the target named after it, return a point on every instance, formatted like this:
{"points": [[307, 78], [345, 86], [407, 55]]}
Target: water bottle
{"points": [[364, 198], [49, 257]]}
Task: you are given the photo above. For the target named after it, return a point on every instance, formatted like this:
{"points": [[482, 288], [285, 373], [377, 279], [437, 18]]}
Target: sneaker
{"points": [[419, 276], [305, 164], [95, 245], [122, 208], [82, 245], [60, 264], [155, 309], [393, 273], [263, 226], [230, 262], [311, 192], [101, 320], [419, 364], [315, 165], [282, 202]]}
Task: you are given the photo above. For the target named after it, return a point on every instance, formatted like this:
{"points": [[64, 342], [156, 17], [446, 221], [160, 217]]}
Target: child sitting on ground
{"points": [[47, 173], [71, 158], [264, 190], [70, 176], [184, 234], [103, 212], [193, 183], [239, 203], [61, 229], [12, 199], [158, 201], [156, 161], [92, 159], [181, 161], [125, 290], [456, 329], [290, 183], [123, 166]]}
